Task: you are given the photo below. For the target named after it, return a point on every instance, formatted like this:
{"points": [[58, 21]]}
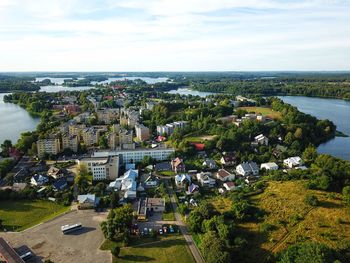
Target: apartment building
{"points": [[49, 146], [108, 116], [91, 135], [142, 132], [70, 142], [170, 127], [102, 168]]}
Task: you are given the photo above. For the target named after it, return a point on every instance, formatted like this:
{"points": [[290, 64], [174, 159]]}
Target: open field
{"points": [[172, 248], [289, 220], [19, 215], [222, 204], [268, 112]]}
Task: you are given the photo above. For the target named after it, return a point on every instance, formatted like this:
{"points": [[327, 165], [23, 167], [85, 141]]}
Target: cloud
{"points": [[174, 35]]}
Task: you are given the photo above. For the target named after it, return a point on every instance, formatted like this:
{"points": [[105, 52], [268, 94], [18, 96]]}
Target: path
{"points": [[183, 228]]}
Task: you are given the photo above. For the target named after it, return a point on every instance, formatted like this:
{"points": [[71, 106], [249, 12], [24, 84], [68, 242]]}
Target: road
{"points": [[184, 230]]}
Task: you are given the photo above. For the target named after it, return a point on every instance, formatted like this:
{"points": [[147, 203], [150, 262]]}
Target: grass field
{"points": [[170, 249], [222, 204], [19, 215], [268, 112], [290, 220], [168, 216]]}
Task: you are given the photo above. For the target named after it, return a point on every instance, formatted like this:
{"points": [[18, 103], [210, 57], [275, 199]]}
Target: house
{"points": [[182, 179], [250, 179], [178, 165], [261, 140], [39, 180], [228, 159], [225, 175], [163, 166], [87, 201], [229, 186], [60, 184], [55, 172], [209, 164], [205, 180], [269, 166], [192, 189], [198, 146], [279, 150], [292, 162], [247, 168]]}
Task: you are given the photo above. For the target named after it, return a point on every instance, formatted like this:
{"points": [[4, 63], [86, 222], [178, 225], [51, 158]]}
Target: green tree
{"points": [[115, 251], [213, 249], [346, 194]]}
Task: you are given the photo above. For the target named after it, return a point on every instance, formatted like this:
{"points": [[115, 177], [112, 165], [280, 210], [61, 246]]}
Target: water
{"points": [[58, 88], [148, 80], [187, 91], [338, 111], [14, 120]]}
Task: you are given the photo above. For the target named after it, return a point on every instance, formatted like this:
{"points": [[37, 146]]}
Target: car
{"points": [[145, 230], [171, 229], [165, 229], [160, 231]]}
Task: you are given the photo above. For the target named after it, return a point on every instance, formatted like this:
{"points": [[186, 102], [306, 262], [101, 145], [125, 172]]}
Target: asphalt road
{"points": [[184, 230]]}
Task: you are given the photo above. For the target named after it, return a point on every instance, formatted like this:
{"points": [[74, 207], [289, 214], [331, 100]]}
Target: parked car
{"points": [[160, 231]]}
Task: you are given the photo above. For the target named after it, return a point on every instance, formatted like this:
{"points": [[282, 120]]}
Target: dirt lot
{"points": [[47, 241]]}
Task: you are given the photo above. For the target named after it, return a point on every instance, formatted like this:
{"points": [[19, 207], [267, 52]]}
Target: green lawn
{"points": [[19, 215], [268, 112], [172, 248], [168, 216]]}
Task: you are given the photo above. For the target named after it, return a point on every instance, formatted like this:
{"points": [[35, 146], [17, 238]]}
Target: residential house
{"points": [[60, 184], [228, 159], [269, 166], [261, 140], [205, 180], [178, 165], [55, 172], [87, 201], [39, 180], [229, 186], [247, 168], [209, 164], [224, 175], [182, 179], [192, 188], [292, 162], [163, 166]]}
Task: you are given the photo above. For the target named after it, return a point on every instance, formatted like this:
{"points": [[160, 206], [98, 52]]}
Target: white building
{"points": [[293, 161], [229, 186], [261, 140], [247, 168], [225, 175], [269, 166], [137, 155], [102, 168], [204, 179], [170, 127]]}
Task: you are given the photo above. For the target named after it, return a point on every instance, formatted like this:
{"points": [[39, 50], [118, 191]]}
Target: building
{"points": [[48, 146], [87, 201], [150, 105], [91, 135], [170, 127], [182, 179], [269, 166], [70, 142], [149, 205], [177, 165], [209, 164], [108, 116], [247, 168], [39, 180], [102, 168], [229, 186], [205, 180], [8, 254], [261, 140], [125, 136], [224, 175], [293, 162], [142, 132], [55, 172], [228, 159], [137, 155]]}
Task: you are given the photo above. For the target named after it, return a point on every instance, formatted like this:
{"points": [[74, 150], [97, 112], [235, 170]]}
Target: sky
{"points": [[174, 35]]}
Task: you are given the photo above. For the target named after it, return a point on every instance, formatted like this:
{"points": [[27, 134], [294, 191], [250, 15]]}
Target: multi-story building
{"points": [[108, 115], [113, 140], [70, 142], [170, 127], [91, 135], [125, 136], [49, 146], [137, 155], [102, 168], [142, 132], [76, 129]]}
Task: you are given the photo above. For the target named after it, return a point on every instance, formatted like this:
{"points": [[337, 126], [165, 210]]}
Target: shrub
{"points": [[311, 200], [115, 251]]}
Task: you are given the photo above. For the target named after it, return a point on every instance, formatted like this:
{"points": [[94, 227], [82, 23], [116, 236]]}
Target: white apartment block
{"points": [[170, 127], [137, 155], [102, 168]]}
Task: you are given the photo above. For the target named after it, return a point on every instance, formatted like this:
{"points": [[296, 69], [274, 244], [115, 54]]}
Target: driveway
{"points": [[47, 241]]}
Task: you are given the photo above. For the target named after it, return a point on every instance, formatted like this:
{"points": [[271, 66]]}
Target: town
{"points": [[113, 170]]}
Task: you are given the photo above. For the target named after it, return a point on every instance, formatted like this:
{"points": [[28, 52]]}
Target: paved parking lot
{"points": [[48, 242], [154, 222]]}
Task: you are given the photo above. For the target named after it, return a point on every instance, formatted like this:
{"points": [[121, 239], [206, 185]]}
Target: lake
{"points": [[338, 111], [59, 81], [14, 120]]}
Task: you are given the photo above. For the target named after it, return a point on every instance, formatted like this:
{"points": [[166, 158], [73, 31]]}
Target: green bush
{"points": [[311, 200]]}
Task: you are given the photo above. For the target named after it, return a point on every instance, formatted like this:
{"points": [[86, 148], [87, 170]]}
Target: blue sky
{"points": [[174, 35]]}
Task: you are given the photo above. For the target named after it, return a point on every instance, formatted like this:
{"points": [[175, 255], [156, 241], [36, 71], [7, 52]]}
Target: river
{"points": [[338, 111], [14, 120]]}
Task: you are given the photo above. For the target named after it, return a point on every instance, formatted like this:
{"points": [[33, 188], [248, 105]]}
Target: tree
{"points": [[114, 200], [311, 200], [308, 252], [346, 194], [309, 155], [213, 249], [103, 142], [5, 146], [115, 251]]}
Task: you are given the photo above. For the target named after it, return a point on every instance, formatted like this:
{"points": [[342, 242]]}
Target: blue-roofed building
{"points": [[60, 184]]}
